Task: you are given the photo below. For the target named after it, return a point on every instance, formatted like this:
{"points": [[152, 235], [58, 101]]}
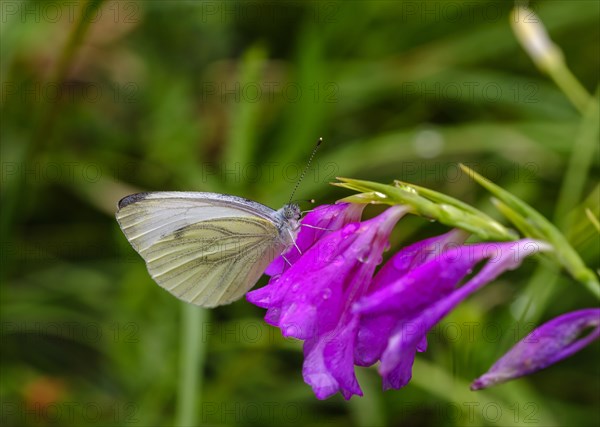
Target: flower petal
{"points": [[375, 329], [328, 366], [310, 297], [409, 333], [326, 218], [553, 341], [416, 254]]}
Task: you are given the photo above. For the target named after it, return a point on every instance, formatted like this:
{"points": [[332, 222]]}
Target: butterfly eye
{"points": [[292, 212]]}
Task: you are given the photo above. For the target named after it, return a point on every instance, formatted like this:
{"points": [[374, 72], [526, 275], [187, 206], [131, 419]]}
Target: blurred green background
{"points": [[230, 97]]}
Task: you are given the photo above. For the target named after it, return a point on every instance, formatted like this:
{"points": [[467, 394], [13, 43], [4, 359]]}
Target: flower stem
{"points": [[570, 86], [191, 361], [533, 224], [582, 155], [547, 56], [429, 204], [368, 410]]}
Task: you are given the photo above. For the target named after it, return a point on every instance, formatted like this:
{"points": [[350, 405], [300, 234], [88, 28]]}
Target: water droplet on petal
{"points": [[363, 258], [295, 287], [326, 293]]}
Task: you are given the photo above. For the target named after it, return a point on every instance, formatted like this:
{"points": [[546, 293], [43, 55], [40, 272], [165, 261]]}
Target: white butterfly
{"points": [[205, 248]]}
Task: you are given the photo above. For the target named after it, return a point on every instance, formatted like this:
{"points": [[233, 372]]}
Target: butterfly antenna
{"points": [[319, 142]]}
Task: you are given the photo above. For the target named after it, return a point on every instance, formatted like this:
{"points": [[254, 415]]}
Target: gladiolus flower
{"points": [[544, 346], [416, 300], [329, 298], [312, 299], [532, 35], [316, 224]]}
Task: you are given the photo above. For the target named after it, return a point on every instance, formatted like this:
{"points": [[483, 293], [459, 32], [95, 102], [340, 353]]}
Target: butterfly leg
{"points": [[286, 260], [316, 228], [294, 240]]}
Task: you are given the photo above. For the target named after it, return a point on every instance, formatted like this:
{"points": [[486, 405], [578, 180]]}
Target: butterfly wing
{"points": [[207, 249]]}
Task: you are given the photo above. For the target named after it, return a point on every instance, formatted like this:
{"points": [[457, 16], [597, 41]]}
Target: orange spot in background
{"points": [[44, 391]]}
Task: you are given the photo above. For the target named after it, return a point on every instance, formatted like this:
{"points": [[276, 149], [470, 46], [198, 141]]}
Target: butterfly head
{"points": [[291, 212], [287, 220]]}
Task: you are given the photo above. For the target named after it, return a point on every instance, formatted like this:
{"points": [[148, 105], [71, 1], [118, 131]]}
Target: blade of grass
{"points": [[191, 363], [584, 146], [368, 410], [438, 382], [243, 136], [541, 228], [44, 120]]}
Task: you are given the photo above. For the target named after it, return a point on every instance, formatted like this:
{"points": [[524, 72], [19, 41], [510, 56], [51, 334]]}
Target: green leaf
{"points": [[430, 204], [443, 199], [533, 224]]}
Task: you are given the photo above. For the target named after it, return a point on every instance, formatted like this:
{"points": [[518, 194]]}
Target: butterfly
{"points": [[207, 249]]}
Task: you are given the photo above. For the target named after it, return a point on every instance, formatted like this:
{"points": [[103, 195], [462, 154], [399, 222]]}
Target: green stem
{"points": [[581, 158], [46, 115], [42, 130], [445, 385], [568, 83], [368, 411], [191, 362], [533, 224]]}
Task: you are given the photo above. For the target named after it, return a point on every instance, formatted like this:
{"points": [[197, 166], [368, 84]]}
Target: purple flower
{"points": [[317, 223], [327, 296], [412, 301], [550, 343], [375, 329], [312, 299]]}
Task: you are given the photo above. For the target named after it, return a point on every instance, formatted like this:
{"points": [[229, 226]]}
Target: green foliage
{"points": [[430, 204], [533, 224]]}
